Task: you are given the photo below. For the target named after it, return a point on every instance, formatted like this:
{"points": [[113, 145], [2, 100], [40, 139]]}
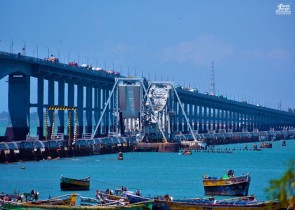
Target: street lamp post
{"points": [[24, 48], [11, 46]]}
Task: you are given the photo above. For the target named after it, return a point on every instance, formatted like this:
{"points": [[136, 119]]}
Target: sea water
{"points": [[153, 173]]}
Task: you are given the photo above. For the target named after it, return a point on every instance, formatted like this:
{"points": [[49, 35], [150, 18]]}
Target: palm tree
{"points": [[283, 188]]}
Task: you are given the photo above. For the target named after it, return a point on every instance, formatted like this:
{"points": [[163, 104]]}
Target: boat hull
{"points": [[148, 205], [240, 189], [170, 205], [74, 184], [234, 186]]}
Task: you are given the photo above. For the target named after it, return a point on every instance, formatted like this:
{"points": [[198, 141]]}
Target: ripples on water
{"points": [[153, 173]]}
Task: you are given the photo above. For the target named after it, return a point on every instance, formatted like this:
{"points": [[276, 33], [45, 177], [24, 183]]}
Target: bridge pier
{"points": [[40, 107], [18, 106]]}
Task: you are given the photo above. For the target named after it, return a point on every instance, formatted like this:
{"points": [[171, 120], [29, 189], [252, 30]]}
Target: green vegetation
{"points": [[283, 188]]}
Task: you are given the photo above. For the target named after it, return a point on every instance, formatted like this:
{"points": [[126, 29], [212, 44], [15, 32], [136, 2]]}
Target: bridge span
{"points": [[89, 90]]}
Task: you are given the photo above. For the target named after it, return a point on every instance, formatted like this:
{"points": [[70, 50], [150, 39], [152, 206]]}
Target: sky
{"points": [[252, 47]]}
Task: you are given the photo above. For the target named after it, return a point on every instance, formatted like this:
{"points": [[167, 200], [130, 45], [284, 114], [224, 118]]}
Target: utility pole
{"points": [[212, 84]]}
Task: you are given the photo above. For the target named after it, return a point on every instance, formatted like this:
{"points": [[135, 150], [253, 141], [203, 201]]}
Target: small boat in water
{"points": [[266, 145], [227, 185], [74, 184], [283, 143], [187, 152], [120, 156]]}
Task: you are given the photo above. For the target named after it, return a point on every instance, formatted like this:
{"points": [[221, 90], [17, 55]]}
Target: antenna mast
{"points": [[212, 84]]}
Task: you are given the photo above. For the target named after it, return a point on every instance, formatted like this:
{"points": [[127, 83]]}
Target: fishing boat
{"points": [[227, 185], [238, 203], [147, 205], [120, 156], [187, 152], [74, 184], [266, 145]]}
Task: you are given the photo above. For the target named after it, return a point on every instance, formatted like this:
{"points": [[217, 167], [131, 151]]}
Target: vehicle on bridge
{"points": [[53, 59], [74, 64], [86, 66]]}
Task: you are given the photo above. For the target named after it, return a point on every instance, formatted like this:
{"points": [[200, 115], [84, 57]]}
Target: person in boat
{"points": [[138, 192], [230, 174]]}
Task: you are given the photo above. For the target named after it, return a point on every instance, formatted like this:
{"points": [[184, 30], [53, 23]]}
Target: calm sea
{"points": [[153, 173]]}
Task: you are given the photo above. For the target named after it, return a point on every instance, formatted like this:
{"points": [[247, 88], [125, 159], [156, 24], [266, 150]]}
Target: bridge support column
{"points": [[50, 103], [18, 106], [107, 112], [40, 107], [61, 102], [97, 102], [80, 110], [72, 113], [88, 128]]}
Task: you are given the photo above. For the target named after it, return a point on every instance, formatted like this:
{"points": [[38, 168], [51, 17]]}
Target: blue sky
{"points": [[252, 47]]}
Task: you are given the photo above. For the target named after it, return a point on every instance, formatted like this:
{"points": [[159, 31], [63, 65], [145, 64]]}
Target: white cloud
{"points": [[201, 51], [272, 54]]}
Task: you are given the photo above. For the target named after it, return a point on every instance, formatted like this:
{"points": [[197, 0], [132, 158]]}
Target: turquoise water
{"points": [[153, 173]]}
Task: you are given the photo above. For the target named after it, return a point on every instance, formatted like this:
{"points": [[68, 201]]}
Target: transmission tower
{"points": [[212, 84]]}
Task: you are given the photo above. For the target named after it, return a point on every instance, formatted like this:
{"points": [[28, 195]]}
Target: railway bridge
{"points": [[85, 95]]}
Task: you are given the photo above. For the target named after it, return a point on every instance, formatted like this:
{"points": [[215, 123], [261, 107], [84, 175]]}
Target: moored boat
{"points": [[187, 152], [147, 205], [238, 203], [74, 184], [266, 145], [120, 156], [227, 185]]}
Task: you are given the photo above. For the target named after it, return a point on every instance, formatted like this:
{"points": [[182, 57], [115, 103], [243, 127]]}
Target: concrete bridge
{"points": [[88, 91]]}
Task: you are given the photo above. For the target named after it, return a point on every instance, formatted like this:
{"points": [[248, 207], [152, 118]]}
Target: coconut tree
{"points": [[283, 188]]}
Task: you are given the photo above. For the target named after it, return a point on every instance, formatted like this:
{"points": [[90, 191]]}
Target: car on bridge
{"points": [[74, 64], [53, 59]]}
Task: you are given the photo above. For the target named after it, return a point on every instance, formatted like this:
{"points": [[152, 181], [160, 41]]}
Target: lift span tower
{"points": [[144, 109]]}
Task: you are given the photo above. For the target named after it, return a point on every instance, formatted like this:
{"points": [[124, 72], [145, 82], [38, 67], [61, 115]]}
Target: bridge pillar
{"points": [[185, 126], [50, 103], [107, 112], [174, 116], [97, 107], [200, 118], [205, 119], [80, 108], [18, 106], [61, 102], [40, 107], [88, 128], [70, 112]]}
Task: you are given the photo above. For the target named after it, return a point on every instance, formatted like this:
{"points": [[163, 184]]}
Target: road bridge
{"points": [[89, 90]]}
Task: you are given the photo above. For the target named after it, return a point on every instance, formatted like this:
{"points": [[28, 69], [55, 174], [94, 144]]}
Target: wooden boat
{"points": [[239, 203], [34, 206], [227, 185], [187, 152], [266, 145], [74, 184], [120, 156]]}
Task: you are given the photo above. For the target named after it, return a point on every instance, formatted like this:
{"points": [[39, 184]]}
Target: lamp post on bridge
{"points": [[24, 48], [47, 52], [11, 46]]}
